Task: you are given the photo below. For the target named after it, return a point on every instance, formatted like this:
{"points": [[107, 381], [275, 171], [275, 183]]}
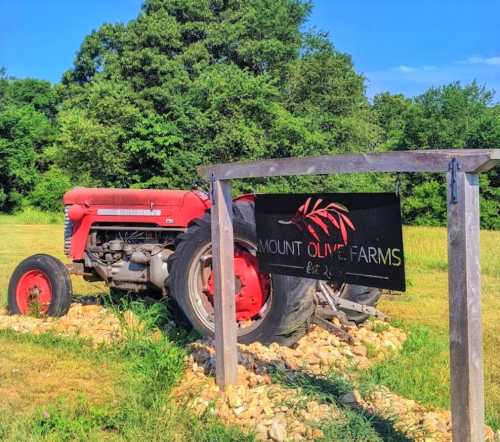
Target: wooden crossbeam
{"points": [[471, 160]]}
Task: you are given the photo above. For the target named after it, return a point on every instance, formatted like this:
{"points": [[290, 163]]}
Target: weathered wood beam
{"points": [[471, 160], [224, 302], [466, 350]]}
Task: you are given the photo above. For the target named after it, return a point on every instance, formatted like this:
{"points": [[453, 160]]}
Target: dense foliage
{"points": [[452, 116], [191, 82], [27, 128]]}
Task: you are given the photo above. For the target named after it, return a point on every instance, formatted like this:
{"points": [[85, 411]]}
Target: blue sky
{"points": [[402, 46]]}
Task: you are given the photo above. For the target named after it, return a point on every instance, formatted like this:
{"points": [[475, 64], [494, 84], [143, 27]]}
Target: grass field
{"points": [[95, 384], [424, 309], [32, 216]]}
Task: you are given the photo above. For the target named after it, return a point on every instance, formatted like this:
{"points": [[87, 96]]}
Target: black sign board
{"points": [[349, 237]]}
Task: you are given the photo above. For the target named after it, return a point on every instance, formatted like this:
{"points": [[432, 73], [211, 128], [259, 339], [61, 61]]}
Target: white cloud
{"points": [[491, 61], [471, 61], [405, 69]]}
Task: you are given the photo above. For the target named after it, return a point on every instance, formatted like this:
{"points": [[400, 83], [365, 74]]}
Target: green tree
{"points": [[27, 109], [391, 114], [49, 190], [199, 81]]}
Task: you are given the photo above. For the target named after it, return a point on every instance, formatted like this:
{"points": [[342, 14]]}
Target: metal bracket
{"points": [[367, 309], [335, 301], [337, 331], [397, 184], [453, 168], [212, 188]]}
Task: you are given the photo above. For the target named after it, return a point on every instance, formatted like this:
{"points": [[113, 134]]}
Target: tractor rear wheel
{"points": [[269, 308], [40, 285]]}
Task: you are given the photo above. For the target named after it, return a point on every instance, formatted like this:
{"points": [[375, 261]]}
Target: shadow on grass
{"points": [[360, 425]]}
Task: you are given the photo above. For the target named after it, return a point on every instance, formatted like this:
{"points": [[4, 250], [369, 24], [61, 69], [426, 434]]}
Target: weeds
{"points": [[327, 389], [371, 349], [355, 425], [380, 327], [79, 422], [354, 428]]}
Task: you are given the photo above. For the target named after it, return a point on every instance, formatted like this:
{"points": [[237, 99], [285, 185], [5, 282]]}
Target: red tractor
{"points": [[144, 240]]}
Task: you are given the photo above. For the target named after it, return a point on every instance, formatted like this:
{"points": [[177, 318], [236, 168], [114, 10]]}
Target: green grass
{"points": [[145, 370], [353, 428], [356, 427], [423, 360]]}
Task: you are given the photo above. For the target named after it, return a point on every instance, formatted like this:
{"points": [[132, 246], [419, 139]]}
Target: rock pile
{"points": [[92, 322], [411, 418], [277, 413], [271, 410], [320, 351]]}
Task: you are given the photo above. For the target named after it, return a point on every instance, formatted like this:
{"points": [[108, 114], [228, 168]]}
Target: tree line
{"points": [[191, 82]]}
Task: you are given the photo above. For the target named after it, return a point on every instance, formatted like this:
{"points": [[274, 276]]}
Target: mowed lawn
{"points": [[420, 373]]}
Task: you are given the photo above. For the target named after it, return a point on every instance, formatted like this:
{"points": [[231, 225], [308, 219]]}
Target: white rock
{"points": [[277, 432]]}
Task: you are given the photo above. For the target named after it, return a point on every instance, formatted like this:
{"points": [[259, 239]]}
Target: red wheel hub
{"points": [[251, 287], [34, 292]]}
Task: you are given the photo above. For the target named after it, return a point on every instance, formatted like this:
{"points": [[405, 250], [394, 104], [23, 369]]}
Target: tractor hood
{"points": [[131, 197]]}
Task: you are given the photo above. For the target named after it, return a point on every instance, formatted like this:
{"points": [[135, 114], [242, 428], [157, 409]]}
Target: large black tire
{"points": [[361, 295], [292, 300], [51, 275]]}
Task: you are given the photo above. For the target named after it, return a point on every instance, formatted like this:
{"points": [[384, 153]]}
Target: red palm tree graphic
{"points": [[315, 218]]}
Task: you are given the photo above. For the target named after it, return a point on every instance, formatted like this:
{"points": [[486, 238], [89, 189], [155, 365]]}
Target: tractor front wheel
{"points": [[40, 286]]}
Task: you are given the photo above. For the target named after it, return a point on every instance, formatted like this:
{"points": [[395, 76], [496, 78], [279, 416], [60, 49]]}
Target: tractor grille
{"points": [[68, 232]]}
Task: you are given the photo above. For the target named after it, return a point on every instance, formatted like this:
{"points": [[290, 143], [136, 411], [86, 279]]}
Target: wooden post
{"points": [[466, 350], [222, 264]]}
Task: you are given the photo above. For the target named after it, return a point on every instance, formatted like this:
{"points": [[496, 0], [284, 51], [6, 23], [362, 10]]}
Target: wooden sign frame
{"points": [[462, 168]]}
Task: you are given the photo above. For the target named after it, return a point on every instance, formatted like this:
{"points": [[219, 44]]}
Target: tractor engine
{"points": [[130, 258]]}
